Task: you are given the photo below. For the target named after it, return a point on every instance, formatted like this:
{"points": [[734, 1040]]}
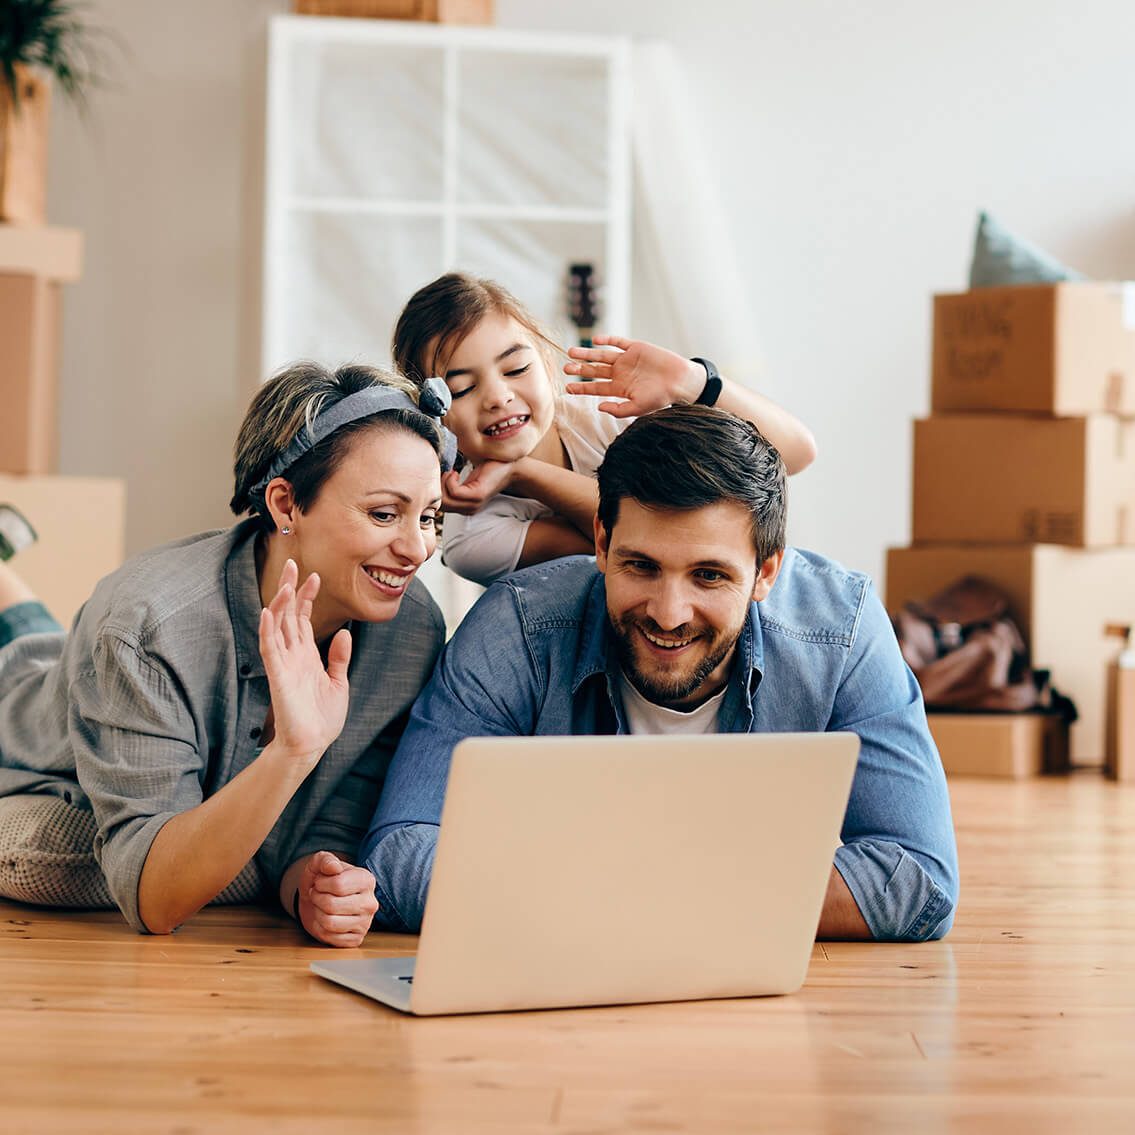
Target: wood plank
{"points": [[1023, 1019]]}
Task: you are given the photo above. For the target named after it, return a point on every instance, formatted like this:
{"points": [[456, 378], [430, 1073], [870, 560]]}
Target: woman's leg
{"points": [[15, 533], [21, 613], [13, 589], [46, 842]]}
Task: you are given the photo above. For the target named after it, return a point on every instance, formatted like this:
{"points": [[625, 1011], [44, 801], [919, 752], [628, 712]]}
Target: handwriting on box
{"points": [[977, 334]]}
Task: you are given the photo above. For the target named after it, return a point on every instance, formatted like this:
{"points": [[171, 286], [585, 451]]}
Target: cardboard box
{"points": [[1011, 745], [42, 250], [1119, 750], [29, 344], [1063, 600], [1061, 349], [982, 478], [23, 149], [81, 523], [436, 11]]}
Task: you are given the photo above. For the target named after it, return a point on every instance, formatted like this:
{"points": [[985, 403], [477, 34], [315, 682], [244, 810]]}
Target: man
{"points": [[694, 618]]}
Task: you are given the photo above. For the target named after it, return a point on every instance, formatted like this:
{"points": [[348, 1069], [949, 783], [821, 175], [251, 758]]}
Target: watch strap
{"points": [[712, 389]]}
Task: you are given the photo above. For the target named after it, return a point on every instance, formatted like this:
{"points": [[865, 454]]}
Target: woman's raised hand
{"points": [[309, 701], [647, 377]]}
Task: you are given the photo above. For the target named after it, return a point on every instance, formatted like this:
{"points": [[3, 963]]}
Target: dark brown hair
{"points": [[440, 315], [687, 457]]}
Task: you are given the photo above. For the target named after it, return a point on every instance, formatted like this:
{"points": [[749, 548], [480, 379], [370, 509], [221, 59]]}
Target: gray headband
{"points": [[434, 400]]}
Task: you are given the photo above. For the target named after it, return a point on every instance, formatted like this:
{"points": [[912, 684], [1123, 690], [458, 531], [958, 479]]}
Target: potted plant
{"points": [[40, 40]]}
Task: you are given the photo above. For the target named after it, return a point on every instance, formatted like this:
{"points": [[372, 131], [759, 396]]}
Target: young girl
{"points": [[528, 491]]}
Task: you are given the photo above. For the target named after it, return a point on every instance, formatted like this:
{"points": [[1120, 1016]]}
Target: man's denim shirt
{"points": [[535, 657]]}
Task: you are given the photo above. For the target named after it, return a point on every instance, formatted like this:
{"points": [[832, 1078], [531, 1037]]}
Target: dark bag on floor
{"points": [[967, 653]]}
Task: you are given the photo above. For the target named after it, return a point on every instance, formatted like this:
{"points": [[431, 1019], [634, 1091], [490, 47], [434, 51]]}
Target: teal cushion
{"points": [[999, 257]]}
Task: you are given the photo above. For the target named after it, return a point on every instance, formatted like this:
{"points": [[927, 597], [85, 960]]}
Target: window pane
{"points": [[532, 130], [365, 120], [345, 279]]}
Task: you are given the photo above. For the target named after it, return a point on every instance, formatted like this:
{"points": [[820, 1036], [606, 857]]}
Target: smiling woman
{"points": [[193, 738]]}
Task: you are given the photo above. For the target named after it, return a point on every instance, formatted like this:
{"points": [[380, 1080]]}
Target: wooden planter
{"points": [[23, 150]]}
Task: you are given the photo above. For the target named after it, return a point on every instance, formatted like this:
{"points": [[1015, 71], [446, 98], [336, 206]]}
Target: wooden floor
{"points": [[1023, 1019]]}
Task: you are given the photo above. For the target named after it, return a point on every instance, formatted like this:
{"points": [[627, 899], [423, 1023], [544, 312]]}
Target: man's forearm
{"points": [[897, 897], [841, 917]]}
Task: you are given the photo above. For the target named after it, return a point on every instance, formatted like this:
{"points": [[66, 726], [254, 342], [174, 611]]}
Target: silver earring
{"points": [[285, 531]]}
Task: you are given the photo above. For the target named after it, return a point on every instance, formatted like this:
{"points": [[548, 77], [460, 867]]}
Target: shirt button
{"points": [[254, 733], [245, 670]]}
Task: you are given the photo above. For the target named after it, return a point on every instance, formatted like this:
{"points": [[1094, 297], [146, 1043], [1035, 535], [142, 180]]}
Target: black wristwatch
{"points": [[712, 389]]}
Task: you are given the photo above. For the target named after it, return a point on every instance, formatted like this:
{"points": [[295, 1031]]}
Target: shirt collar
{"points": [[751, 644], [242, 594], [595, 634]]}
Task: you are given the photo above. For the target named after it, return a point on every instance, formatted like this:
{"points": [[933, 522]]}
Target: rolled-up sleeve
{"points": [[899, 855], [136, 758]]}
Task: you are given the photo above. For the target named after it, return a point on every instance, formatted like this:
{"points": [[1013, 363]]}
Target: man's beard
{"points": [[669, 690]]}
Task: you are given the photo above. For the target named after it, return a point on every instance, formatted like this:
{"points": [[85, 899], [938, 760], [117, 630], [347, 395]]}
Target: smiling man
{"points": [[693, 618]]}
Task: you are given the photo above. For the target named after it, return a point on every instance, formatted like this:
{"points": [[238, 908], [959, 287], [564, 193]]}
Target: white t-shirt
{"points": [[487, 545], [647, 717]]}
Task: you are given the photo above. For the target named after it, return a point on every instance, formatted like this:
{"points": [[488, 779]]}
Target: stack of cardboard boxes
{"points": [[1024, 474], [80, 520]]}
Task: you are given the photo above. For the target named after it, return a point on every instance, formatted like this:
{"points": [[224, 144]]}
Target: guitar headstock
{"points": [[583, 300]]}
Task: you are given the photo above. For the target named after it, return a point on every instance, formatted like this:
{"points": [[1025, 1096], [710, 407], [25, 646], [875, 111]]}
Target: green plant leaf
{"points": [[51, 35]]}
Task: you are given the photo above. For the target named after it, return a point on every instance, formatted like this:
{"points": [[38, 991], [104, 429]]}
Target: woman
{"points": [[528, 491], [195, 725]]}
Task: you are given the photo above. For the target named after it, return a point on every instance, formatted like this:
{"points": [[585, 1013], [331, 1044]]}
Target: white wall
{"points": [[852, 146], [161, 335]]}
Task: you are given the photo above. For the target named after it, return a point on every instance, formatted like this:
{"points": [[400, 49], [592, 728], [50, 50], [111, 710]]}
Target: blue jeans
{"points": [[31, 617]]}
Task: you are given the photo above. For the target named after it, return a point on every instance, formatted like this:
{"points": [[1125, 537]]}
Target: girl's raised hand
{"points": [[645, 376], [309, 701]]}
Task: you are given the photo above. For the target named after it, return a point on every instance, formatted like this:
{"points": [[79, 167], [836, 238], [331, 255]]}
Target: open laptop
{"points": [[609, 870]]}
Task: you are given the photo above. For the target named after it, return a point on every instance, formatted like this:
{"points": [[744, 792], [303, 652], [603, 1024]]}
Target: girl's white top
{"points": [[487, 545]]}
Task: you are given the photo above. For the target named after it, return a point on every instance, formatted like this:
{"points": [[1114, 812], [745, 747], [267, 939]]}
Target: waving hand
{"points": [[309, 702], [646, 376]]}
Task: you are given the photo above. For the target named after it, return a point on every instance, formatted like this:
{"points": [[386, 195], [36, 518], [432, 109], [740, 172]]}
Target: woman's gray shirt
{"points": [[158, 695]]}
